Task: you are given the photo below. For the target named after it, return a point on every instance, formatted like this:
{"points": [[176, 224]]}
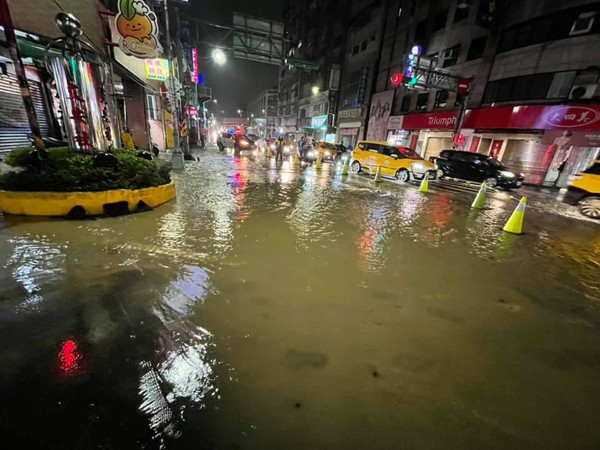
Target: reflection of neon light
{"points": [[69, 357]]}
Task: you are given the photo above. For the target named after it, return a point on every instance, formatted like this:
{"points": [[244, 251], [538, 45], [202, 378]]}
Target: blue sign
{"points": [[319, 122], [201, 79]]}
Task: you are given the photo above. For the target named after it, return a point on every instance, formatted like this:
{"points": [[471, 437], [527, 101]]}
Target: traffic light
{"points": [[412, 82]]}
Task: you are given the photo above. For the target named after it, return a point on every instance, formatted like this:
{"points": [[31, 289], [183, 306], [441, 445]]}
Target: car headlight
{"points": [[286, 148], [345, 157], [244, 143], [507, 174], [327, 153], [418, 167], [272, 146], [311, 153]]}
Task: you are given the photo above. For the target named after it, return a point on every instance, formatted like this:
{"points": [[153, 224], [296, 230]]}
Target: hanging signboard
{"points": [[157, 69], [194, 71], [319, 122], [138, 29]]}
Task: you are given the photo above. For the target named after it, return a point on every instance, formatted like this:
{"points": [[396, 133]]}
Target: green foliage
{"points": [[75, 172], [19, 157]]}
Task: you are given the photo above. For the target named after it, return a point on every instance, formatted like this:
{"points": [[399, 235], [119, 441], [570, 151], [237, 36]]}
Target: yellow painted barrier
{"points": [[59, 204]]}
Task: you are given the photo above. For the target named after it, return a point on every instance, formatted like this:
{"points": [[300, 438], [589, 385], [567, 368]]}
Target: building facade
{"points": [[263, 112], [533, 78], [359, 68], [309, 83]]}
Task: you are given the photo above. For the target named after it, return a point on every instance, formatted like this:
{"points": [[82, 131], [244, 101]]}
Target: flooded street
{"points": [[275, 307]]}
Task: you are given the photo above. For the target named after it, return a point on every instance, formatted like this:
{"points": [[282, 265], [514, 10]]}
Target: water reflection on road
{"points": [[282, 307]]}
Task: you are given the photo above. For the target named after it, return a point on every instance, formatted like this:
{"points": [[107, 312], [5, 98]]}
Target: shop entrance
{"points": [[529, 157]]}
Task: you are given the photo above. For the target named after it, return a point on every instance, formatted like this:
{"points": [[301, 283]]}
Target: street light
{"points": [[219, 56], [239, 111], [315, 90]]}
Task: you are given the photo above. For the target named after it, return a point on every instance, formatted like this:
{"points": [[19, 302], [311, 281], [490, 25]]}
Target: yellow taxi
{"points": [[584, 191], [397, 161]]}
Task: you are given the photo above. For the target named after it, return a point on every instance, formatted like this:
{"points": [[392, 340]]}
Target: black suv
{"points": [[477, 167]]}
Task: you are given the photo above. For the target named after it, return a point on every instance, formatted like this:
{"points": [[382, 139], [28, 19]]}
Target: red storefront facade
{"points": [[533, 139]]}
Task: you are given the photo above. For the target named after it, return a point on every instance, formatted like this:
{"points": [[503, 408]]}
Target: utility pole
{"points": [[179, 52], [177, 161]]}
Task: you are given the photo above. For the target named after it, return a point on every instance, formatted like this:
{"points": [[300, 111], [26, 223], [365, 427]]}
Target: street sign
{"points": [[463, 86], [302, 64]]}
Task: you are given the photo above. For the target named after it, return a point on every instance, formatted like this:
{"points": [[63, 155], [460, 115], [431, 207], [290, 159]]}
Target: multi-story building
{"points": [[308, 92], [533, 70], [359, 68], [263, 111]]}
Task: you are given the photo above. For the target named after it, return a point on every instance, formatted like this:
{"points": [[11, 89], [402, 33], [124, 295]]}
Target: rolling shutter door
{"points": [[14, 126], [530, 158], [435, 145]]}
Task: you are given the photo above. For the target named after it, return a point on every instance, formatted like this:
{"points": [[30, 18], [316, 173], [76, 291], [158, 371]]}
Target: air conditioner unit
{"points": [[584, 91], [583, 24]]}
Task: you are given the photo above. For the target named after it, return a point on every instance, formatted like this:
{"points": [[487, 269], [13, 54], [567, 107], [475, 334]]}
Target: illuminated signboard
{"points": [[157, 69], [415, 52], [194, 71], [319, 122]]}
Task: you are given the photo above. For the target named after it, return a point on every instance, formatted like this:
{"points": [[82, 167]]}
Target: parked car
{"points": [[403, 163], [584, 191], [477, 167], [238, 142]]}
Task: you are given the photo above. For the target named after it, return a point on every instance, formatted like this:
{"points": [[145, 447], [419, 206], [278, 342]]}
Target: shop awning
{"points": [[36, 50]]}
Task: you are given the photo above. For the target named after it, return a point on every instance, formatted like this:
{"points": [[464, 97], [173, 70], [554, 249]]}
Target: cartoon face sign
{"points": [[138, 26], [138, 29]]}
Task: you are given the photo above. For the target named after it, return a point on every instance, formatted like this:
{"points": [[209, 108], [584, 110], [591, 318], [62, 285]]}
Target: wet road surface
{"points": [[277, 307]]}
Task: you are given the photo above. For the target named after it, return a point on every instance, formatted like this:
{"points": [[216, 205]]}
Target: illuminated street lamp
{"points": [[219, 56], [315, 90]]}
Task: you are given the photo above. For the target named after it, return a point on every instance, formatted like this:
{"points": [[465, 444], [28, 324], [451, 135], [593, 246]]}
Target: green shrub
{"points": [[75, 172], [19, 157]]}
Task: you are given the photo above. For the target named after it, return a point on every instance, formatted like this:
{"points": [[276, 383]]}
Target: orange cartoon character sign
{"points": [[138, 29]]}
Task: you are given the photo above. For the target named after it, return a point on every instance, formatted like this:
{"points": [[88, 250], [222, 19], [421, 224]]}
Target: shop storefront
{"points": [[350, 126], [548, 144], [14, 126]]}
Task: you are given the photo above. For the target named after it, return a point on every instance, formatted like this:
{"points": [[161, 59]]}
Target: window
{"points": [[363, 46], [441, 98], [421, 31], [461, 13], [439, 20], [316, 110], [450, 56], [559, 25], [476, 48], [153, 107], [373, 148], [528, 87], [422, 101], [302, 113], [594, 170], [405, 107], [355, 50]]}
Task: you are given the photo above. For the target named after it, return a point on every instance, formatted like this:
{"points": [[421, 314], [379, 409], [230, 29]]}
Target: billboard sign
{"points": [[156, 69], [379, 114], [138, 29], [319, 122]]}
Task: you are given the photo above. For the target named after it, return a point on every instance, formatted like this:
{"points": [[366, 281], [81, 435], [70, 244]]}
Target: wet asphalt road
{"points": [[282, 307]]}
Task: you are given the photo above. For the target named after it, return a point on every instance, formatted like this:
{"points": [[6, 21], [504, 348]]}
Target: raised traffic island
{"points": [[76, 185]]}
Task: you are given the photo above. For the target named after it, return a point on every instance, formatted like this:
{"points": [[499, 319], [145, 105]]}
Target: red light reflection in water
{"points": [[69, 357]]}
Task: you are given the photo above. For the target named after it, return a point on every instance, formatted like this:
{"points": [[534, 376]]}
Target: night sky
{"points": [[238, 82]]}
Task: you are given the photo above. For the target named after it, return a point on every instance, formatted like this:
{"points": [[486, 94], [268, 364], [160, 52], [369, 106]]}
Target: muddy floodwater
{"points": [[282, 308]]}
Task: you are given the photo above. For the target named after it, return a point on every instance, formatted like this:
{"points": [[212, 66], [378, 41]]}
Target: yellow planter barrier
{"points": [[61, 203]]}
